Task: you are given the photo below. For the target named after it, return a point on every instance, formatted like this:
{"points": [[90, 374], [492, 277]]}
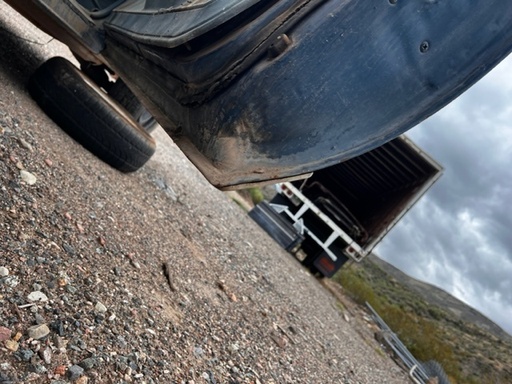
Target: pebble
{"points": [[38, 368], [74, 372], [25, 144], [198, 351], [28, 177], [37, 332], [4, 272], [82, 380], [60, 370], [39, 319], [25, 354], [37, 296], [11, 345], [88, 363], [46, 355], [11, 281], [100, 307], [68, 248], [5, 333]]}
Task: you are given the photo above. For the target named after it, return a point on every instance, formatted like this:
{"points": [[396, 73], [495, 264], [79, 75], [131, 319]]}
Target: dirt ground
{"points": [[151, 277]]}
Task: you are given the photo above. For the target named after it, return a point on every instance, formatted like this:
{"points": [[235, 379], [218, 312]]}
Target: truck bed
{"points": [[368, 194]]}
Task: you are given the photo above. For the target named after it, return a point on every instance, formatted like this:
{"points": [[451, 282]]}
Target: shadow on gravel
{"points": [[19, 57]]}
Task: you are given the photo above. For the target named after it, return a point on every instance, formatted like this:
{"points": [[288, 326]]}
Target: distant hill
{"points": [[472, 348], [436, 296]]}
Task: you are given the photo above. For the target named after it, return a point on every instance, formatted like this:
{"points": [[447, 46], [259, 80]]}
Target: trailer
{"points": [[342, 212]]}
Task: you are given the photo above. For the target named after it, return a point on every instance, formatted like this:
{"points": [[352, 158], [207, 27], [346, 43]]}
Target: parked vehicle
{"points": [[261, 90], [342, 212]]}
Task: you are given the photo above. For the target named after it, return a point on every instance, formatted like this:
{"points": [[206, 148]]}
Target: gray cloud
{"points": [[459, 236]]}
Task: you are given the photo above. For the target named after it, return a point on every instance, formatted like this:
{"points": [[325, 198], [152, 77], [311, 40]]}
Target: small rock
{"points": [[5, 379], [38, 368], [88, 363], [280, 341], [60, 370], [25, 354], [5, 333], [48, 162], [60, 342], [11, 345], [74, 372], [58, 327], [37, 296], [11, 281], [46, 355], [347, 319], [28, 177], [69, 249], [26, 145], [4, 272], [38, 331], [198, 351], [39, 319], [100, 307], [82, 380], [71, 289]]}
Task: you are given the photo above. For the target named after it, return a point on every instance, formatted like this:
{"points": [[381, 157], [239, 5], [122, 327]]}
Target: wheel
{"points": [[89, 116], [120, 92]]}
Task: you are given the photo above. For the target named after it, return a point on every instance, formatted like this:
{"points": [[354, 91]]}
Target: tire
{"points": [[120, 92], [89, 116]]}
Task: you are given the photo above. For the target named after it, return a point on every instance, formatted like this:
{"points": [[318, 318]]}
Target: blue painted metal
{"points": [[301, 85]]}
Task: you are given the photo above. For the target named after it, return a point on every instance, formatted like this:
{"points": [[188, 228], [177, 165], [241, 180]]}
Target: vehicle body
{"points": [[254, 91], [342, 212]]}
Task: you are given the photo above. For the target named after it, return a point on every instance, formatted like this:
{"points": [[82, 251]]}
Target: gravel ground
{"points": [[152, 277]]}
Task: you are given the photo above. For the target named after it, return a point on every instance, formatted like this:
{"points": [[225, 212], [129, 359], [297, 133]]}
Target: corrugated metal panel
{"points": [[376, 187]]}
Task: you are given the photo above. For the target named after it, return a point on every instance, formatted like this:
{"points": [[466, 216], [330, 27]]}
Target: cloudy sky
{"points": [[459, 236]]}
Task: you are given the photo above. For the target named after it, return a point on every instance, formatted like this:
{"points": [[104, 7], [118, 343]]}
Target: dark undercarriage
{"points": [[254, 91]]}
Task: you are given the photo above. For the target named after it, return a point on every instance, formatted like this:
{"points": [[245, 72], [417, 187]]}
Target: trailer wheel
{"points": [[89, 116]]}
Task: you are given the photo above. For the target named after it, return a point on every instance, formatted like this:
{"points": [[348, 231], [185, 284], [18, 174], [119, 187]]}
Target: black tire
{"points": [[120, 92], [89, 116]]}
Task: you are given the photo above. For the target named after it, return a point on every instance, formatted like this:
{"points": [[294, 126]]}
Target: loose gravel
{"points": [[152, 277]]}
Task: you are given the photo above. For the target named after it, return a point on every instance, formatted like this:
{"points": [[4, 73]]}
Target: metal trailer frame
{"points": [[353, 250]]}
